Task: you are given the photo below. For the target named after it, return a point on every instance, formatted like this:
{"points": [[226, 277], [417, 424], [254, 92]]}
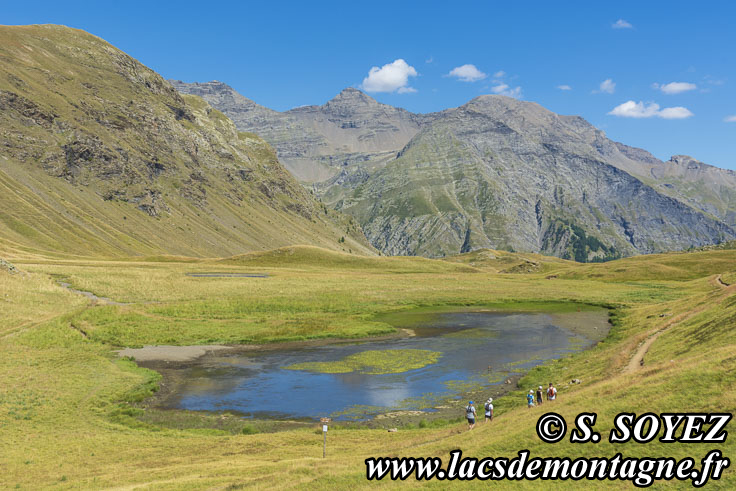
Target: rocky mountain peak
{"points": [[503, 107], [351, 93], [682, 159], [691, 164], [352, 100], [224, 98], [494, 101], [687, 162]]}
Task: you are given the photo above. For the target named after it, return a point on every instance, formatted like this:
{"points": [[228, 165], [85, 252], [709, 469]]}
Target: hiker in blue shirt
{"points": [[470, 415], [530, 398]]}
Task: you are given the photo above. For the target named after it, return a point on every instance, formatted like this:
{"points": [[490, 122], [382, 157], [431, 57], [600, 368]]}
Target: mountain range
{"points": [[496, 172]]}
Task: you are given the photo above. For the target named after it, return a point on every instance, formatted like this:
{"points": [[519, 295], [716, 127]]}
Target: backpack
{"points": [[551, 392], [487, 408], [469, 411]]}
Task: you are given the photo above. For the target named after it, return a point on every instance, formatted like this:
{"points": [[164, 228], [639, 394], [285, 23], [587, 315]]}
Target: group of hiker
{"points": [[532, 398]]}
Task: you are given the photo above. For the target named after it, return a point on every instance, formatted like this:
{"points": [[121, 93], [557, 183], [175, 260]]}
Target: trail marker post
{"points": [[324, 422]]}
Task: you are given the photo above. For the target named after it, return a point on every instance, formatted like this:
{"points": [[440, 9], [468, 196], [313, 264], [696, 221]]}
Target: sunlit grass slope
{"points": [[508, 262], [66, 418], [314, 257]]}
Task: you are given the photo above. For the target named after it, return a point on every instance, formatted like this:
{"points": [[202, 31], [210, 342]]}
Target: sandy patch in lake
{"points": [[171, 353]]}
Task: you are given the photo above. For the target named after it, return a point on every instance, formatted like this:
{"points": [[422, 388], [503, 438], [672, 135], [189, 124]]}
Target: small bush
{"points": [[248, 430]]}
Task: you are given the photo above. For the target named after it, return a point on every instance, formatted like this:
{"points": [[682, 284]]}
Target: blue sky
{"points": [[286, 54]]}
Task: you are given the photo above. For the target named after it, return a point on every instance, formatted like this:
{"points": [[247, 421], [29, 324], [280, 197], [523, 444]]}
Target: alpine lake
{"points": [[443, 358]]}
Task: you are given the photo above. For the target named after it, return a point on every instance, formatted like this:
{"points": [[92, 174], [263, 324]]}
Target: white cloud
{"points": [[391, 77], [674, 87], [429, 60], [564, 87], [608, 86], [678, 112], [467, 73], [730, 119], [631, 109], [504, 89], [622, 24], [499, 74]]}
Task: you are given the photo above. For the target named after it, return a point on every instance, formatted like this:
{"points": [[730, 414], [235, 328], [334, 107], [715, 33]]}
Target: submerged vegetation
{"points": [[475, 333], [374, 362]]}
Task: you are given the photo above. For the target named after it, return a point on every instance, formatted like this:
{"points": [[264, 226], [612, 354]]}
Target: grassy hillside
{"points": [[69, 416], [101, 156], [509, 262], [313, 257]]}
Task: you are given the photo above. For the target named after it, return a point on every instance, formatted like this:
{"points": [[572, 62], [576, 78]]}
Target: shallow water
{"points": [[255, 384]]}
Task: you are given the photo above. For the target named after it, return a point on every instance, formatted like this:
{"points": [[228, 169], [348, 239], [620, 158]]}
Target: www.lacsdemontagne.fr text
{"points": [[642, 472]]}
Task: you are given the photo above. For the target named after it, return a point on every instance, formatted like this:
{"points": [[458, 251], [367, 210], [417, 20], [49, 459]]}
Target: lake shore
{"points": [[173, 361]]}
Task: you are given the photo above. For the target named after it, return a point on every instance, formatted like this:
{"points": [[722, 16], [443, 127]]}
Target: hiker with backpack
{"points": [[489, 410], [539, 396], [470, 415], [551, 392], [530, 399]]}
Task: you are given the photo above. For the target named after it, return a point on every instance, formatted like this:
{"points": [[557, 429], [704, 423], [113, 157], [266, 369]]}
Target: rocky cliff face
{"points": [[99, 154], [499, 173]]}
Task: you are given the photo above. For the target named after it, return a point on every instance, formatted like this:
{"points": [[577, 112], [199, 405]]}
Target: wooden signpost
{"points": [[324, 422]]}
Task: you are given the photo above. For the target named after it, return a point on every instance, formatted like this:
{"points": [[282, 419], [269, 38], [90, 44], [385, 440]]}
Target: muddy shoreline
{"points": [[170, 362], [174, 357]]}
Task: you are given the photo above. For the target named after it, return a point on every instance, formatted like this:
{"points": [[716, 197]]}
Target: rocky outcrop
{"points": [[7, 267]]}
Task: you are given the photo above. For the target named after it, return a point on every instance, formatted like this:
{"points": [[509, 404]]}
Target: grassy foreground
{"points": [[66, 419]]}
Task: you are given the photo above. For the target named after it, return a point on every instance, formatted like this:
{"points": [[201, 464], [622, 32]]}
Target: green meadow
{"points": [[71, 415]]}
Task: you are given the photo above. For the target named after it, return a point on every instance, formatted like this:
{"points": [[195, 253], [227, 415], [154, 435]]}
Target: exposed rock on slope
{"points": [[317, 142], [99, 154], [7, 267], [497, 173]]}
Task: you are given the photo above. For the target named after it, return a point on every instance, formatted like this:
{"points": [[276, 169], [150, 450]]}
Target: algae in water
{"points": [[373, 362]]}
